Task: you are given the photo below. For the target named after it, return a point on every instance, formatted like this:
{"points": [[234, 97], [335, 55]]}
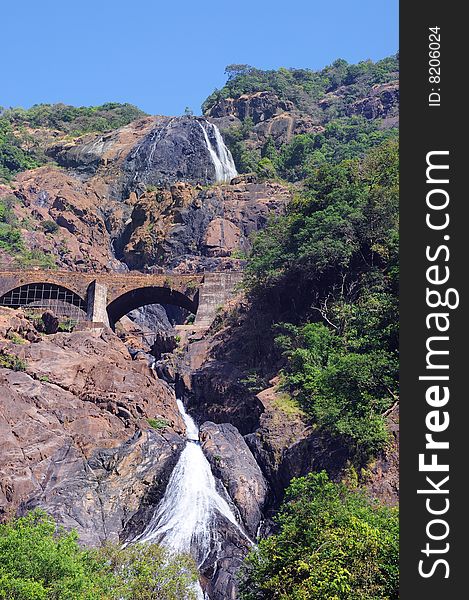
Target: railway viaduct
{"points": [[107, 297]]}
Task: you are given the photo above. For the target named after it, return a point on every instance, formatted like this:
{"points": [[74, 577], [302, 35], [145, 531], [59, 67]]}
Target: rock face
{"points": [[233, 463], [260, 106], [271, 117], [382, 103], [154, 151], [75, 436], [62, 216], [186, 229], [181, 227]]}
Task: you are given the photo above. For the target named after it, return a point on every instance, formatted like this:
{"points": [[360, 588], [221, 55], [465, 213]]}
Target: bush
{"points": [[158, 423], [39, 561], [11, 239], [73, 119], [149, 572], [332, 543], [50, 226], [11, 361]]}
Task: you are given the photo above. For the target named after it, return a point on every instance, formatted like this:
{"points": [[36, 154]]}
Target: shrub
{"points": [[50, 226], [158, 423], [11, 361], [332, 543], [40, 561], [67, 325]]}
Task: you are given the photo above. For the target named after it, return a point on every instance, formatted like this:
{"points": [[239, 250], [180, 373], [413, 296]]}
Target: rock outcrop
{"points": [[76, 441], [185, 228], [233, 463], [382, 103], [271, 117], [154, 151], [260, 106], [59, 215]]}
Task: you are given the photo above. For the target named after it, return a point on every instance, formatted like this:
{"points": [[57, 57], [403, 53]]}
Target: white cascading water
{"points": [[222, 160], [185, 519]]}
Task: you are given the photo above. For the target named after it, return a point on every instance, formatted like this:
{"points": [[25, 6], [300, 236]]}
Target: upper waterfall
{"points": [[223, 162]]}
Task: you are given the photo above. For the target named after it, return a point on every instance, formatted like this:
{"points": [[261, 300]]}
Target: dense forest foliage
{"points": [[334, 258], [344, 138], [305, 87], [21, 147], [39, 561], [332, 544]]}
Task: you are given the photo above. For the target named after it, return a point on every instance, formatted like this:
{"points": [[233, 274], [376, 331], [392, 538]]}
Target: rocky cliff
{"points": [[92, 215], [75, 417], [89, 431]]}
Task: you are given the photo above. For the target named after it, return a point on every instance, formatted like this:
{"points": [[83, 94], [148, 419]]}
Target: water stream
{"points": [[222, 160], [186, 518]]}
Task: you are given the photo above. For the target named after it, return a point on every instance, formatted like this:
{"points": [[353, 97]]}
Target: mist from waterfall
{"points": [[222, 160]]}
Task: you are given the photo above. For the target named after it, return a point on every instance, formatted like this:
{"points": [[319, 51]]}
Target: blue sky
{"points": [[166, 55]]}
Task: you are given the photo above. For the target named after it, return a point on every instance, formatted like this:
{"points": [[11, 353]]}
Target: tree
{"points": [[338, 247], [332, 544], [235, 70], [40, 561]]}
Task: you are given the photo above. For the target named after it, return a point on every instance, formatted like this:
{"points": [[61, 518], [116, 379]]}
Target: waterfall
{"points": [[222, 160], [185, 519]]}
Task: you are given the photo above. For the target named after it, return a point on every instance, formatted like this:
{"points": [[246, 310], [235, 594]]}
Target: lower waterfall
{"points": [[185, 519]]}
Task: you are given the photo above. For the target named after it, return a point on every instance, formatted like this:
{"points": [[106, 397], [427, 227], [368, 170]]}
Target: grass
{"points": [[15, 338], [288, 405], [67, 325], [158, 423]]}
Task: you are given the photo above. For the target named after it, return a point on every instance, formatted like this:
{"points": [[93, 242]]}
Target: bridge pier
{"points": [[96, 303], [214, 292]]}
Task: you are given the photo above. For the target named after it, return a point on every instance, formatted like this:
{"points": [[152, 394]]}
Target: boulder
{"points": [[233, 463]]}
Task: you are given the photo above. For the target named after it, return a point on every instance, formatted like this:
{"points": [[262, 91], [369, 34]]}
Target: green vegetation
{"points": [[22, 149], [326, 95], [344, 138], [36, 258], [74, 120], [332, 544], [11, 239], [50, 226], [39, 561], [11, 361], [288, 405], [10, 236], [16, 338], [158, 423], [67, 325], [13, 156], [305, 87], [334, 257]]}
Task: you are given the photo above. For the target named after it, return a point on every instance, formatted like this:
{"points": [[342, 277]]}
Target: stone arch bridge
{"points": [[106, 297]]}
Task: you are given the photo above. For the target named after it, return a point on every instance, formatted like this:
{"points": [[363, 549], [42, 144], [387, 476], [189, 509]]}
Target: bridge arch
{"points": [[143, 296], [47, 295]]}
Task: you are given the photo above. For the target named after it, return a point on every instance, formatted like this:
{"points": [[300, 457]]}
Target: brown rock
{"points": [[74, 430], [221, 237]]}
